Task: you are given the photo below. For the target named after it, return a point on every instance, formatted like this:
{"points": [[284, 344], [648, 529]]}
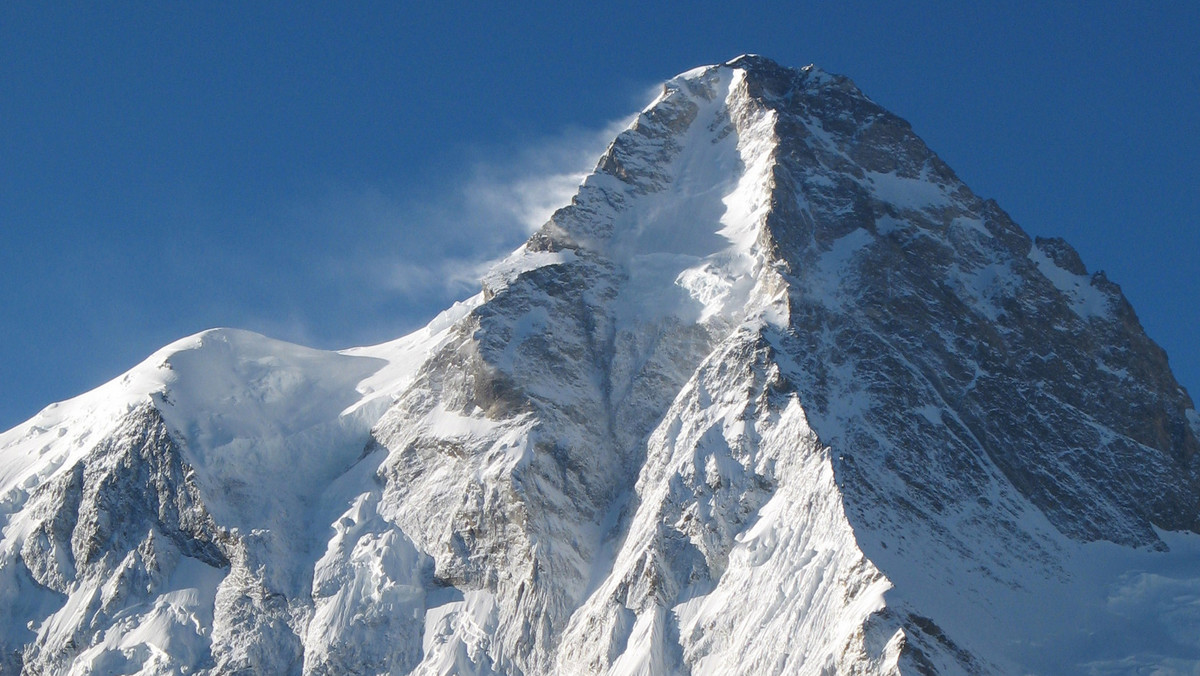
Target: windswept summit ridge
{"points": [[775, 393]]}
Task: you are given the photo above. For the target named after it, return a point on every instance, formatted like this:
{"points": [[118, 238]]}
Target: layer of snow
{"points": [[1084, 298], [168, 635], [520, 261], [690, 248], [911, 193]]}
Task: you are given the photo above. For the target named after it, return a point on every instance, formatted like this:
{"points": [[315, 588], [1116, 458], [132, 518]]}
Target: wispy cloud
{"points": [[390, 256], [526, 189], [441, 244]]}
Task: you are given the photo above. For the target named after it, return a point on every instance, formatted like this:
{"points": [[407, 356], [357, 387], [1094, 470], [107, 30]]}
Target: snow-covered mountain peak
{"points": [[677, 202], [775, 393]]}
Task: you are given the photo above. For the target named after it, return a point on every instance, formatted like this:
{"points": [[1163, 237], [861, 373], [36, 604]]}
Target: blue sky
{"points": [[333, 174]]}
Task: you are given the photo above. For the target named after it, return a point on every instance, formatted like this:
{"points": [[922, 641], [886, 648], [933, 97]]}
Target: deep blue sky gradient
{"points": [[292, 168]]}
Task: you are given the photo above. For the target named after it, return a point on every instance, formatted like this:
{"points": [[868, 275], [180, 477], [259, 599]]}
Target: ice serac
{"points": [[775, 393]]}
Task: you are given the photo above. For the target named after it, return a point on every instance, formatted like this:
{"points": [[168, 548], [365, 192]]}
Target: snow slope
{"points": [[254, 431], [775, 393]]}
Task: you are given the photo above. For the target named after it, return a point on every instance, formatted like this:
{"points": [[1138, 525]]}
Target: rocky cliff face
{"points": [[776, 393]]}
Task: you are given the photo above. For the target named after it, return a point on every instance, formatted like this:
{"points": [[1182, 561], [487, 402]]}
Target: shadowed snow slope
{"points": [[775, 393]]}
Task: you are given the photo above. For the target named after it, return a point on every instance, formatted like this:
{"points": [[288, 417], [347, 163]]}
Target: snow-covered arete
{"points": [[775, 393]]}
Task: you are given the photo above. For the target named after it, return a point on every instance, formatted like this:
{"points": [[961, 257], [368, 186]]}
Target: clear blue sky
{"points": [[325, 173]]}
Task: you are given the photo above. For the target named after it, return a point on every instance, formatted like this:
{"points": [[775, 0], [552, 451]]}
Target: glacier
{"points": [[775, 393]]}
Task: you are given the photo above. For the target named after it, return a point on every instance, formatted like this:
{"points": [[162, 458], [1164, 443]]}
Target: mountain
{"points": [[775, 393]]}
